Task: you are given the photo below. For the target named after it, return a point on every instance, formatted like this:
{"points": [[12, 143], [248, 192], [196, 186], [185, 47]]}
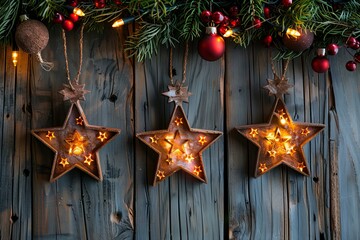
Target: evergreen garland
{"points": [[169, 22]]}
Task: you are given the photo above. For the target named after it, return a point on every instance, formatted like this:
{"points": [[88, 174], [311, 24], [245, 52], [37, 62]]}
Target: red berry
{"points": [[235, 22], [350, 66], [332, 49], [205, 16], [73, 17], [286, 3], [351, 42], [223, 30], [233, 11], [217, 17], [267, 12], [357, 57], [58, 18], [99, 3], [226, 21], [356, 46], [267, 40], [72, 3], [68, 25], [257, 22], [320, 64], [117, 2]]}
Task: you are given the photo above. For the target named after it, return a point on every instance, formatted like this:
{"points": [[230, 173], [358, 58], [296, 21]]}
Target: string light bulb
{"points": [[228, 33], [14, 56], [78, 12], [292, 32], [122, 21]]}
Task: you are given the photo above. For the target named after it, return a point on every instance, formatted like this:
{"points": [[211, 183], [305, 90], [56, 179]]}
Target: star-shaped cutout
{"points": [[278, 86], [181, 145], [178, 94], [76, 145], [281, 140], [74, 94]]}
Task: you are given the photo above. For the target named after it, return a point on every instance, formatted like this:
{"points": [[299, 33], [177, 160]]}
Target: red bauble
{"points": [[205, 16], [117, 2], [68, 25], [320, 64], [73, 17], [300, 43], [58, 18], [212, 46], [99, 3], [217, 17], [257, 22], [267, 12], [332, 49], [267, 40], [223, 30], [357, 57], [351, 66], [351, 42], [233, 11], [356, 46], [286, 3], [235, 22], [226, 21], [73, 3]]}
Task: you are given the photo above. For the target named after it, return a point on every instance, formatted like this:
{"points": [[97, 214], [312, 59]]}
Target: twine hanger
{"points": [[186, 52]]}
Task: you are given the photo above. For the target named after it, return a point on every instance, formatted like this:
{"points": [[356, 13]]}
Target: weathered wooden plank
{"points": [[180, 207], [346, 88]]}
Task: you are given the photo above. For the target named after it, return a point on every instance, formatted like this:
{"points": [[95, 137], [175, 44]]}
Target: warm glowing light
{"points": [[178, 121], [282, 118], [305, 131], [118, 23], [301, 166], [88, 159], [50, 135], [177, 144], [197, 170], [77, 143], [102, 136], [290, 149], [64, 162], [253, 132], [154, 139], [169, 160], [263, 167], [202, 140], [79, 121], [292, 32], [15, 55], [189, 157], [160, 175], [228, 33], [78, 12], [272, 153], [277, 137]]}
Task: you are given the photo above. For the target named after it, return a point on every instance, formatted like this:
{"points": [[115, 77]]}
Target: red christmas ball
{"points": [[58, 18], [99, 3], [226, 21], [212, 46], [233, 11], [117, 2], [299, 43], [357, 57], [235, 22], [267, 40], [73, 17], [351, 66], [332, 49], [223, 30], [73, 3], [205, 16], [267, 12], [356, 46], [217, 17], [286, 3], [257, 22], [351, 42], [67, 25], [320, 64]]}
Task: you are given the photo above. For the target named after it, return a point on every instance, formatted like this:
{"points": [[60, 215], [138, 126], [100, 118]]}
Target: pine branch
{"points": [[8, 15]]}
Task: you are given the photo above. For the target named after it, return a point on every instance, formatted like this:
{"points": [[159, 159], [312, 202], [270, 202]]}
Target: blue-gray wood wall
{"points": [[125, 94]]}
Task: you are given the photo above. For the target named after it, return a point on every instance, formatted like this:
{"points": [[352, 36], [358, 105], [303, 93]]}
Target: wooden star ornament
{"points": [[278, 86], [76, 144], [180, 146], [281, 140], [74, 92]]}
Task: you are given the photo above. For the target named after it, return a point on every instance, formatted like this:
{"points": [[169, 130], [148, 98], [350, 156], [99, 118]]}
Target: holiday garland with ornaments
{"points": [[294, 27]]}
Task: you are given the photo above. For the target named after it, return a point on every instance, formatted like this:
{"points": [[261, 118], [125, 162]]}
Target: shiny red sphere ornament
{"points": [[356, 46], [235, 22], [223, 30], [357, 57], [58, 18], [286, 3], [267, 40], [73, 3], [332, 49], [99, 3], [233, 11], [67, 25], [267, 12], [73, 17], [226, 21], [320, 63], [212, 46], [351, 42], [217, 17], [205, 16], [257, 22], [351, 66]]}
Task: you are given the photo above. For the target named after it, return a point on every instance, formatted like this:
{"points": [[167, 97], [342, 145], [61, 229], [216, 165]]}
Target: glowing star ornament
{"points": [[281, 140], [76, 144], [179, 147]]}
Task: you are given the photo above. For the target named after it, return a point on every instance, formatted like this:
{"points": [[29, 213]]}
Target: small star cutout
{"points": [[178, 94], [197, 170], [79, 121], [50, 135], [253, 132], [278, 86], [178, 121], [281, 143], [76, 143], [102, 136], [154, 139], [180, 144], [78, 93], [202, 140]]}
